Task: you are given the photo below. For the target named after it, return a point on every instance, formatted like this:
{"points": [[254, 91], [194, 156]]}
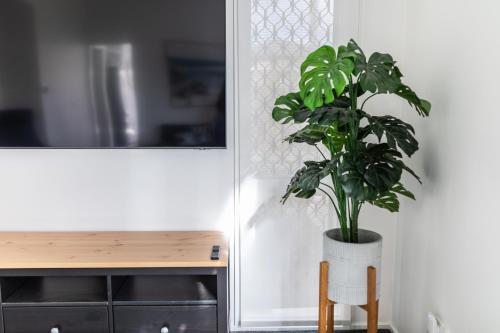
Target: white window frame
{"points": [[346, 25]]}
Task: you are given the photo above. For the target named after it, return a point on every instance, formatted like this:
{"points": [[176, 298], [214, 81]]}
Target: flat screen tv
{"points": [[112, 73]]}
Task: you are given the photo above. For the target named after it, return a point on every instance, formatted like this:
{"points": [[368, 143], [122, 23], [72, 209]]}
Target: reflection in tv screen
{"points": [[113, 73]]}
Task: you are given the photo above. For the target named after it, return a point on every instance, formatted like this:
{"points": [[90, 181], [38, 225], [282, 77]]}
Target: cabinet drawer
{"points": [[65, 319], [161, 319]]}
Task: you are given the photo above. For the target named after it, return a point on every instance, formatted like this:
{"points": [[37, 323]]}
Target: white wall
{"points": [[449, 237], [116, 189]]}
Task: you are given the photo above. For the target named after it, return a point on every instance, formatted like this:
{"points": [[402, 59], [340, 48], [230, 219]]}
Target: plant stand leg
{"points": [[323, 297], [372, 306], [330, 317], [327, 307]]}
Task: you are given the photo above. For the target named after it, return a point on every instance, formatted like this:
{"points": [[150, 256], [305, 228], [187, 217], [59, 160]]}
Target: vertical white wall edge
{"points": [[234, 282]]}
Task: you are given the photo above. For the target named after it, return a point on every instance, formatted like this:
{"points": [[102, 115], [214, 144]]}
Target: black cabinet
{"points": [[142, 300], [56, 320], [54, 290], [166, 290], [166, 319]]}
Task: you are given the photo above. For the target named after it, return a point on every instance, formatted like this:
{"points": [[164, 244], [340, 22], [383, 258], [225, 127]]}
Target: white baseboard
{"points": [[305, 327], [394, 330], [381, 325], [298, 316], [284, 326]]}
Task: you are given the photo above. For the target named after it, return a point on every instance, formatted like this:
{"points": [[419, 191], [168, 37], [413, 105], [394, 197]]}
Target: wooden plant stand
{"points": [[326, 306]]}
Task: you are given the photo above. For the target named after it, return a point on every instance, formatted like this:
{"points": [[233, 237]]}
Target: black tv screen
{"points": [[112, 73]]}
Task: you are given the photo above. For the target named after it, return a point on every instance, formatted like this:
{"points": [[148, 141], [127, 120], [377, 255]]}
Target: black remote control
{"points": [[215, 253]]}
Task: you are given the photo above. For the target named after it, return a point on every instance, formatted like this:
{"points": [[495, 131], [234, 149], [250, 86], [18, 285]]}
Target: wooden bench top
{"points": [[29, 250]]}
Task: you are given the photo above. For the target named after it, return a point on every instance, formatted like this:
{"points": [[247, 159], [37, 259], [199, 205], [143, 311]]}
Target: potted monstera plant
{"points": [[362, 154]]}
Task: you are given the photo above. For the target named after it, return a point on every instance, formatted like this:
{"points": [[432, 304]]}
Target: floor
{"points": [[364, 331], [349, 331]]}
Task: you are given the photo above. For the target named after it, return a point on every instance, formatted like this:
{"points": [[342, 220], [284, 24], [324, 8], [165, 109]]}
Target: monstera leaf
{"points": [[352, 180], [311, 134], [290, 108], [404, 167], [335, 139], [382, 170], [397, 133], [422, 106], [328, 115], [378, 74], [323, 77], [389, 200], [371, 170], [400, 189], [307, 179]]}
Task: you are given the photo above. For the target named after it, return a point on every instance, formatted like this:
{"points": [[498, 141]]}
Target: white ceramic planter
{"points": [[348, 263]]}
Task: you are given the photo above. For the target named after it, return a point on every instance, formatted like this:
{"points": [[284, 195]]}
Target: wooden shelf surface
{"points": [[45, 250]]}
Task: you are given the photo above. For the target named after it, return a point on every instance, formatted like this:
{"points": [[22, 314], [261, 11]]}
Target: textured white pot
{"points": [[348, 264]]}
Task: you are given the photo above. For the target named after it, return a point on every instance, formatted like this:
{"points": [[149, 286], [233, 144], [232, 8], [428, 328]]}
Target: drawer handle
{"points": [[164, 329], [54, 330]]}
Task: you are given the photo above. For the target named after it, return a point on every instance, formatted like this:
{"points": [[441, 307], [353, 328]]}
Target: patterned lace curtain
{"points": [[280, 245], [283, 33]]}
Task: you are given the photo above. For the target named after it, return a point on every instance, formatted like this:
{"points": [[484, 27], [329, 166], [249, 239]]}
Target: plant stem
{"points": [[353, 205], [351, 94], [366, 100], [356, 208], [331, 188], [331, 199], [341, 213], [320, 151]]}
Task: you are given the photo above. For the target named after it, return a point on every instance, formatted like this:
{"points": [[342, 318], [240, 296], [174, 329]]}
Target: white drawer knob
{"points": [[164, 329], [54, 330]]}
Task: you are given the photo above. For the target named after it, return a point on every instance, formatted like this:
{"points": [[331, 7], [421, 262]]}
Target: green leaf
{"points": [[353, 182], [342, 102], [307, 179], [378, 74], [397, 133], [328, 115], [335, 139], [381, 172], [311, 134], [323, 77], [422, 106], [387, 200], [290, 108], [372, 169], [400, 189], [404, 167], [410, 171], [382, 175]]}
